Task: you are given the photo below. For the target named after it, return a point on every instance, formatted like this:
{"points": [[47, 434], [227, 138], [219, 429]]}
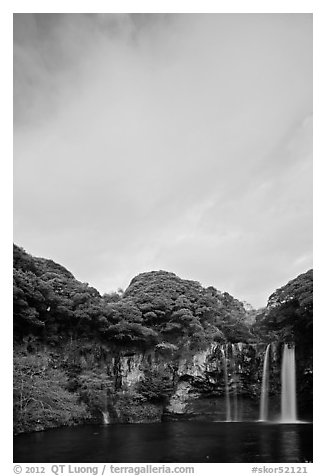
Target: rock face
{"points": [[197, 386], [130, 370], [179, 401], [222, 382]]}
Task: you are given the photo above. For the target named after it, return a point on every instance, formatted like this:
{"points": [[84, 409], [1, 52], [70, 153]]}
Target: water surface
{"points": [[175, 442]]}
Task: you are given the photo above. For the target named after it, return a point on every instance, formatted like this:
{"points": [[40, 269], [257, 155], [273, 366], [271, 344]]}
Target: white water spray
{"points": [[235, 390], [263, 413], [106, 418], [227, 394], [288, 398]]}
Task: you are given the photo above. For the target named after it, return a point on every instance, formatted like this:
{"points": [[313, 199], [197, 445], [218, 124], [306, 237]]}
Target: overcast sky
{"points": [[176, 142]]}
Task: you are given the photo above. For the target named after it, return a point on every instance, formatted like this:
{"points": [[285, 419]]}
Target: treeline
{"points": [[158, 308], [288, 316]]}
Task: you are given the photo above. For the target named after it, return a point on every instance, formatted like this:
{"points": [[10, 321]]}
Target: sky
{"points": [[180, 142]]}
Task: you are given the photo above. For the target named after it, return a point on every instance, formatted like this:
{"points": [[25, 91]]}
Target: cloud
{"points": [[179, 142]]}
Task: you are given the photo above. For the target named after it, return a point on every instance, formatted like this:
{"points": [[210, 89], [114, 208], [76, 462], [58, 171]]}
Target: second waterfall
{"points": [[288, 398], [263, 412], [226, 385]]}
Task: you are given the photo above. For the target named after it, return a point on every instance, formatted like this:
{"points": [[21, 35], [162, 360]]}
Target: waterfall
{"points": [[227, 395], [235, 391], [288, 398], [106, 418], [263, 413], [105, 413]]}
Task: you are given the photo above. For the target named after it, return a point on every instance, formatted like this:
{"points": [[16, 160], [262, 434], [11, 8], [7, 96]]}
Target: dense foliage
{"points": [[158, 307], [288, 315], [41, 396]]}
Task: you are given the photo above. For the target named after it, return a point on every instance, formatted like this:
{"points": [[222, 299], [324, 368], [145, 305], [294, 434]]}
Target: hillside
{"points": [[157, 307]]}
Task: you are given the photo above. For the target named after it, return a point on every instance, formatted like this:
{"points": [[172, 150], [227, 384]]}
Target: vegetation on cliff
{"points": [[289, 311], [158, 307]]}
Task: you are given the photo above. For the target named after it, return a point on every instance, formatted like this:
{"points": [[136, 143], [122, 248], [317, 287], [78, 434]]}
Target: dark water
{"points": [[192, 442]]}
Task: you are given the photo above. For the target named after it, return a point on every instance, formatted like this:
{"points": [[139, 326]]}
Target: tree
{"points": [[289, 311], [41, 398], [157, 306], [132, 334], [156, 386]]}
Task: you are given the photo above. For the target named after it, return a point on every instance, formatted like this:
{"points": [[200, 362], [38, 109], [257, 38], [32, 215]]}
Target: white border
{"points": [[167, 6]]}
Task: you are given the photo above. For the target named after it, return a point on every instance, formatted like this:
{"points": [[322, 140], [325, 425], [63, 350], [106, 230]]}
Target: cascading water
{"points": [[263, 413], [288, 398], [105, 412], [106, 418], [235, 389], [227, 394]]}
